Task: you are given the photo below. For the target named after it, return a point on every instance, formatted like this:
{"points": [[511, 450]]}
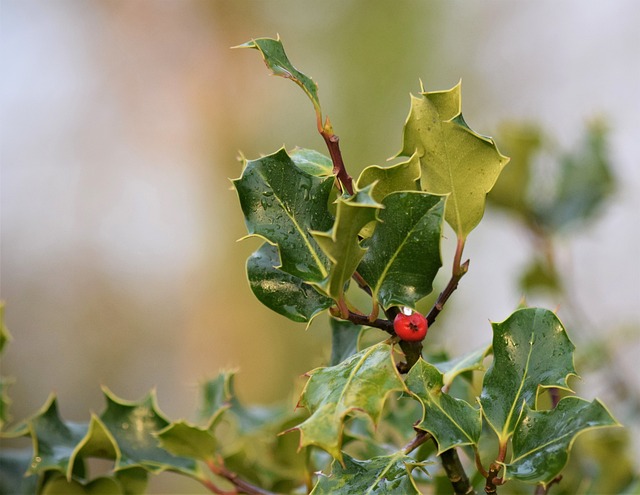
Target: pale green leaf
{"points": [[376, 476], [531, 349], [360, 383], [468, 362], [542, 439], [455, 160], [217, 395], [312, 162], [281, 203], [99, 486], [281, 292], [400, 177], [187, 440], [452, 422], [341, 244], [403, 255]]}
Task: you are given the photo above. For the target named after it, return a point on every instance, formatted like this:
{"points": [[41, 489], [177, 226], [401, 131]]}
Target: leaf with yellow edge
{"points": [[360, 383], [455, 160]]}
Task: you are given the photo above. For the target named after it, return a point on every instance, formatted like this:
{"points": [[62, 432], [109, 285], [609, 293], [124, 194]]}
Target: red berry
{"points": [[412, 328]]}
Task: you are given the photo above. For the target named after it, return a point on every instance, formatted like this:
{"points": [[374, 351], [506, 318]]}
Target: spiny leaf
{"points": [[277, 61], [281, 203], [54, 441], [360, 383], [187, 440], [531, 349], [400, 177], [217, 395], [468, 362], [344, 340], [542, 439], [455, 160], [341, 244], [376, 476], [285, 294], [403, 255], [100, 486], [452, 422], [134, 426]]}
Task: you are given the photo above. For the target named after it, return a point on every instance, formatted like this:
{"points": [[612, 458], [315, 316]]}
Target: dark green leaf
{"points": [[531, 349], [455, 160], [403, 255], [380, 475], [360, 383], [55, 442], [281, 203], [542, 439], [285, 294], [134, 426], [13, 468], [452, 422], [341, 244], [276, 59], [344, 340]]}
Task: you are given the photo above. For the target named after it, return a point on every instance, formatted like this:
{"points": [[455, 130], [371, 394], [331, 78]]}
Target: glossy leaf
{"points": [[54, 441], [468, 362], [99, 486], [542, 439], [376, 476], [344, 340], [400, 177], [281, 292], [312, 162], [403, 255], [341, 244], [531, 349], [277, 61], [455, 160], [452, 422], [360, 383], [281, 203], [14, 464], [134, 426]]}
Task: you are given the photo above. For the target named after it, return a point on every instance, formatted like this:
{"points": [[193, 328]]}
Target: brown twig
{"points": [[420, 438], [242, 486], [493, 481], [544, 490], [455, 472], [446, 293]]}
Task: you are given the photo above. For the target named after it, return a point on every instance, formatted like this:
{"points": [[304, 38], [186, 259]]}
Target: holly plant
{"points": [[387, 414]]}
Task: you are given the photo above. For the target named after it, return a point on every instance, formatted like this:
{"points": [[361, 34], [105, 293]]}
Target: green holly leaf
{"points": [[379, 475], [281, 203], [187, 440], [542, 439], [135, 426], [100, 486], [359, 384], [455, 160], [400, 177], [312, 162], [462, 364], [531, 350], [5, 336], [217, 396], [452, 422], [344, 340], [277, 61], [14, 464], [341, 244], [55, 442], [285, 294], [585, 181], [403, 255]]}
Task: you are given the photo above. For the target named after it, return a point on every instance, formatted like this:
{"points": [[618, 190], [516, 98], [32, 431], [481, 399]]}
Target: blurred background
{"points": [[122, 123]]}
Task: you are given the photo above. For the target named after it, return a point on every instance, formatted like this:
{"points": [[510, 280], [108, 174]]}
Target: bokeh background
{"points": [[122, 122]]}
